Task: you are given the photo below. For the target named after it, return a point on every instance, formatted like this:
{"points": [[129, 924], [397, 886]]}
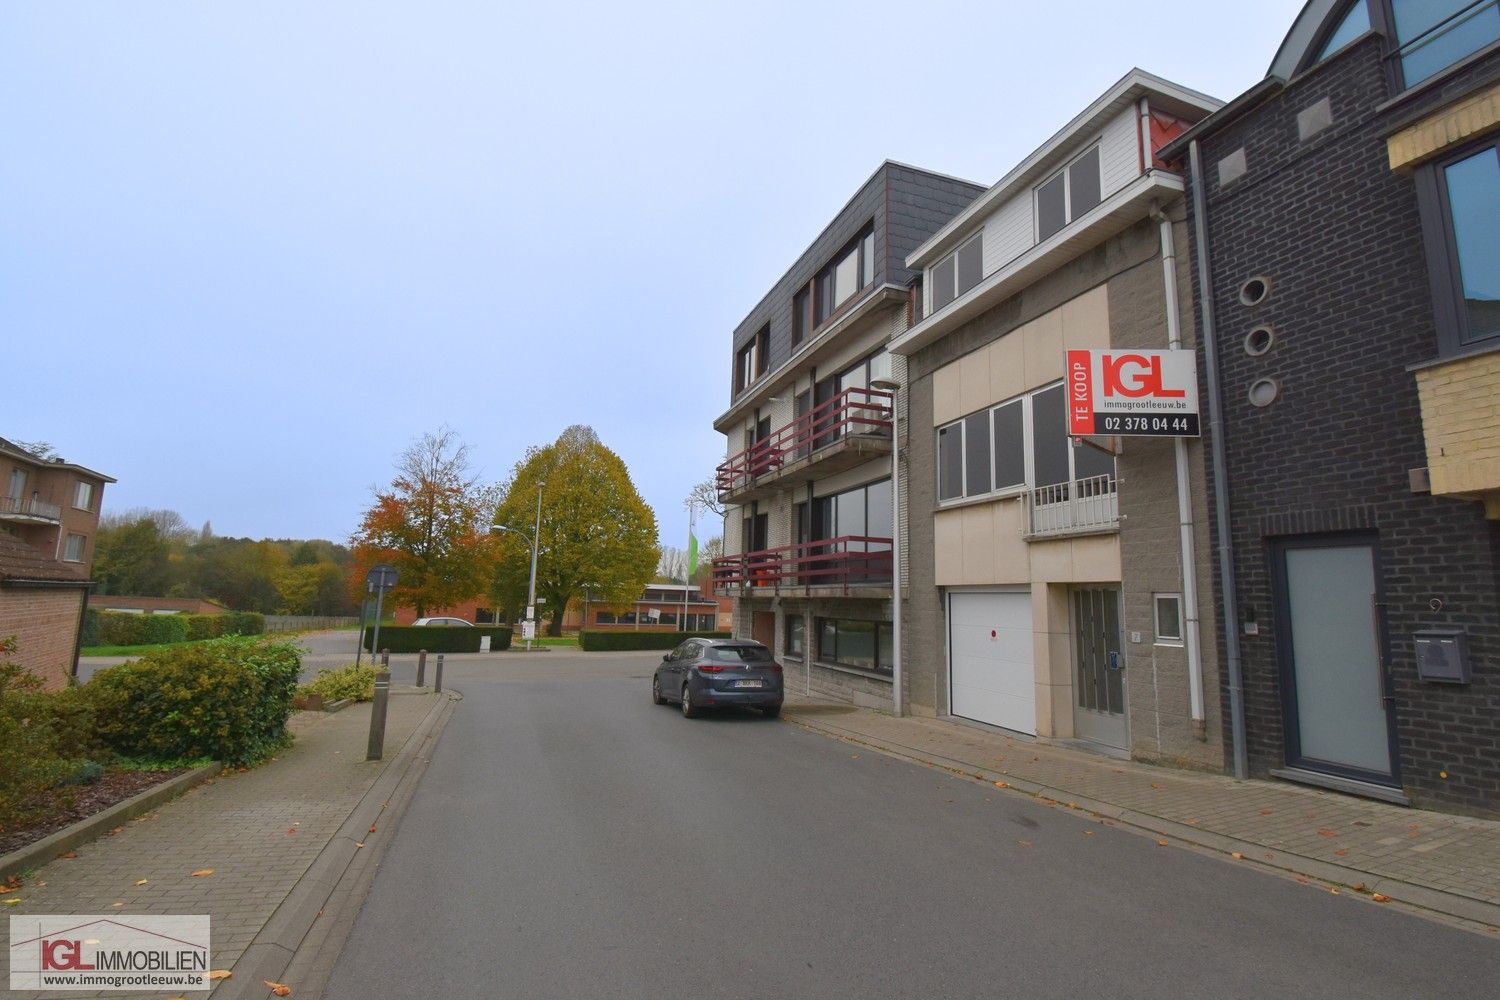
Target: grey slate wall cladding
{"points": [[907, 205], [1339, 235]]}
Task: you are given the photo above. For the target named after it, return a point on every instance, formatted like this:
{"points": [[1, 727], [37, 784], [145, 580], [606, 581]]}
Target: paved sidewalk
{"points": [[259, 830], [1450, 864]]}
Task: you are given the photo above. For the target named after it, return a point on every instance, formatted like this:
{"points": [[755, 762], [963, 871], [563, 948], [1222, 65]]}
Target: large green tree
{"points": [[597, 534], [133, 557], [430, 524]]}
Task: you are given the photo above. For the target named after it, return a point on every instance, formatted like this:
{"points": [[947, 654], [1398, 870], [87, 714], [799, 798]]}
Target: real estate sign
{"points": [[1132, 393]]}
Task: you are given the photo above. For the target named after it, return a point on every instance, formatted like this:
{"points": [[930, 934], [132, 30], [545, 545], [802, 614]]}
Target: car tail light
{"points": [[712, 668]]}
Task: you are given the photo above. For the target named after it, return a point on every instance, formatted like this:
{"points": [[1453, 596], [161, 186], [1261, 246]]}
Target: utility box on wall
{"points": [[1442, 655]]}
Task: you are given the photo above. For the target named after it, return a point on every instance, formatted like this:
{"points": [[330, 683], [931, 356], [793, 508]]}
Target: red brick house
{"points": [[41, 605]]}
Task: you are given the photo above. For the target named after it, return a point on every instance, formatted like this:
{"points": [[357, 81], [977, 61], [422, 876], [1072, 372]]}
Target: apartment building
{"points": [[50, 504], [807, 482], [1347, 255], [1055, 578]]}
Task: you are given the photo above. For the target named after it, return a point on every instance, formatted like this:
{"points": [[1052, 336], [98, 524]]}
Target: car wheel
{"points": [[770, 711], [656, 698], [689, 710]]}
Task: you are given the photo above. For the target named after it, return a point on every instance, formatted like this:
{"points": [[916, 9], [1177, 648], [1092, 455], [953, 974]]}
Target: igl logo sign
{"points": [[1132, 393], [63, 954], [151, 952]]}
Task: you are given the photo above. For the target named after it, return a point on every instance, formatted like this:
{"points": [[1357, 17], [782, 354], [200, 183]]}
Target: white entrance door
{"points": [[990, 663]]}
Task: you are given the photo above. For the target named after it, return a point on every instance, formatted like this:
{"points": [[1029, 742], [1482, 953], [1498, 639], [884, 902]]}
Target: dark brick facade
{"points": [[1339, 235]]}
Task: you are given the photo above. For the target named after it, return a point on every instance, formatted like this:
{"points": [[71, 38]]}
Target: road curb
{"points": [[280, 952], [1420, 896], [49, 847]]}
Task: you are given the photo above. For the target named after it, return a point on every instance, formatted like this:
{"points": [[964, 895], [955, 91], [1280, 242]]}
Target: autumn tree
{"points": [[597, 534], [432, 525], [132, 557]]}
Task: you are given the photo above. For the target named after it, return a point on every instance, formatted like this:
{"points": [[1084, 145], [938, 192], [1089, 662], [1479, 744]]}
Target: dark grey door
{"points": [[1099, 704], [1336, 694]]}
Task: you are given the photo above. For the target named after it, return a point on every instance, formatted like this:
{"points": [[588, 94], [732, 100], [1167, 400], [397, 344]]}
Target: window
{"points": [[604, 618], [1434, 34], [73, 549], [852, 269], [990, 452], [1463, 200], [1168, 619], [796, 639], [83, 496], [1355, 23], [801, 316], [1068, 195], [17, 488], [751, 361], [958, 272], [861, 644]]}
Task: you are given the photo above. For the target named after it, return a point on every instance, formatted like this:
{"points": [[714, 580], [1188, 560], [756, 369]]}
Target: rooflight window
{"points": [[1355, 23]]}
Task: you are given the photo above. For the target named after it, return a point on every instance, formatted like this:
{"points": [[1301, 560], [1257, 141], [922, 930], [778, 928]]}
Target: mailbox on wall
{"points": [[1442, 655]]}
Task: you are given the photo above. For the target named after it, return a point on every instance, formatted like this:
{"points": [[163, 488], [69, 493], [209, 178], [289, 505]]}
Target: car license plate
{"points": [[749, 684]]}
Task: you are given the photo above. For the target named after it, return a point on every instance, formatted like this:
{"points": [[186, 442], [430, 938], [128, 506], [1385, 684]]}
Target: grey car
{"points": [[714, 673]]}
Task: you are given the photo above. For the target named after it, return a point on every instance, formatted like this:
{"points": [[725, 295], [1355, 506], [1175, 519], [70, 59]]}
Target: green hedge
{"points": [[45, 736], [436, 639], [92, 628], [228, 701], [116, 628], [202, 627], [353, 682], [241, 623], [601, 641]]}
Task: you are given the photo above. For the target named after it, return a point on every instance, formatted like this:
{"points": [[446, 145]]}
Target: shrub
{"points": [[202, 627], [242, 623], [435, 639], [156, 629], [92, 628], [356, 682], [229, 701], [617, 641], [120, 629], [44, 735]]}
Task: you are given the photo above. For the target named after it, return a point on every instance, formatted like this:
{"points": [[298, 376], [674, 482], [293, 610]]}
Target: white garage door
{"points": [[990, 659]]}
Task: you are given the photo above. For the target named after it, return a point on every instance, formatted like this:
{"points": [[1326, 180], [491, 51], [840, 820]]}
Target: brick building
{"points": [[1347, 272], [807, 483], [41, 606], [1054, 581]]}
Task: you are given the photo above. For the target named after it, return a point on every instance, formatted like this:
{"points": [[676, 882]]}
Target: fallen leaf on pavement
{"points": [[1334, 890], [1089, 833], [1024, 843], [291, 829], [69, 856], [1381, 899], [116, 830], [1325, 832], [11, 902], [1194, 822], [142, 881], [359, 843], [220, 974], [1266, 812], [372, 827], [1302, 880], [1002, 784], [280, 989], [1236, 855], [116, 906], [1342, 852], [5, 888], [1361, 888], [201, 872], [1161, 843], [1270, 856], [1156, 786]]}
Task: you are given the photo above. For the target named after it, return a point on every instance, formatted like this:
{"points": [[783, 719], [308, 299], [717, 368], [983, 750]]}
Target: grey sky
{"points": [[248, 251]]}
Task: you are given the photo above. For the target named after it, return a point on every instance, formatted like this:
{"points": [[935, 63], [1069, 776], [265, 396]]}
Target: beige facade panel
{"points": [[1461, 424], [1450, 127]]}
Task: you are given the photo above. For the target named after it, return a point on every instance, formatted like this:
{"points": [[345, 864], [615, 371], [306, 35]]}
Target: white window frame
{"points": [[1028, 452], [1158, 638], [83, 491], [1068, 217]]}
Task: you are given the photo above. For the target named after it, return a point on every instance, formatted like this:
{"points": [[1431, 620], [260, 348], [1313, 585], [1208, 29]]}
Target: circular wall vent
{"points": [[1254, 291], [1263, 391], [1259, 340]]}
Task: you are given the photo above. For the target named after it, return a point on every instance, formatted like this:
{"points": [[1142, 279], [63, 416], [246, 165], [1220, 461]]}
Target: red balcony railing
{"points": [[849, 561], [851, 412]]}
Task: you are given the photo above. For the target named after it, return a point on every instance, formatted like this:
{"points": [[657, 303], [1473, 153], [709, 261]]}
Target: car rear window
{"points": [[738, 654]]}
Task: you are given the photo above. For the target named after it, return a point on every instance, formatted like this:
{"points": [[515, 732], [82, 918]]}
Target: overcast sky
{"points": [[248, 251]]}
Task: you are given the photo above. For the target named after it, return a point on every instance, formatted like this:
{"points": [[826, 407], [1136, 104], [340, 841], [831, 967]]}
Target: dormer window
{"points": [[751, 360], [1068, 195], [958, 272], [852, 269]]}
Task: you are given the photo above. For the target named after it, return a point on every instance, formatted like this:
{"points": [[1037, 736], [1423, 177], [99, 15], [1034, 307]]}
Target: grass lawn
{"points": [[141, 650]]}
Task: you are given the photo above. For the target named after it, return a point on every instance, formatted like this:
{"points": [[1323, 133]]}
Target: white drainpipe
{"points": [[1184, 494]]}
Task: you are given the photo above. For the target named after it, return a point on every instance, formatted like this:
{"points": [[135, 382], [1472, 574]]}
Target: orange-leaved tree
{"points": [[432, 524]]}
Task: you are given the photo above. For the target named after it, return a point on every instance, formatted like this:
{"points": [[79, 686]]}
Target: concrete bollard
{"points": [[377, 715], [421, 668], [437, 679], [385, 658]]}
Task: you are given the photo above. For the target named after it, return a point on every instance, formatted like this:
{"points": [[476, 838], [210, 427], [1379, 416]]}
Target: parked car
{"points": [[712, 673], [443, 622]]}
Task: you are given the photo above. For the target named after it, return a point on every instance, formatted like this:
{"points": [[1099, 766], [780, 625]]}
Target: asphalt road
{"points": [[572, 840]]}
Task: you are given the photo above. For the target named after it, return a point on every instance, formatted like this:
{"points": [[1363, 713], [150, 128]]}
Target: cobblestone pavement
{"points": [[259, 831], [1442, 862]]}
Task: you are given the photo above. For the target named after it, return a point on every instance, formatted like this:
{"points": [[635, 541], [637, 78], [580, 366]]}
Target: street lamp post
{"points": [[898, 702], [536, 533]]}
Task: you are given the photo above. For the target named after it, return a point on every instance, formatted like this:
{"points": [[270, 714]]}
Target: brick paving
{"points": [[1455, 855], [239, 825]]}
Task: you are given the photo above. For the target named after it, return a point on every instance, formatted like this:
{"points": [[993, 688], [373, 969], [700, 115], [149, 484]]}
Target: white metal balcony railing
{"points": [[1080, 507], [32, 508]]}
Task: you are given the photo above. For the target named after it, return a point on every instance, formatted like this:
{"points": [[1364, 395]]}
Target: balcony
{"points": [[850, 566], [33, 511], [837, 434], [1082, 507]]}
